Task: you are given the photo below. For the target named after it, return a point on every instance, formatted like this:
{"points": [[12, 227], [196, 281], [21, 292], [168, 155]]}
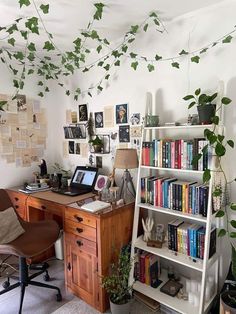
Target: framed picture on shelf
{"points": [[121, 113], [83, 112], [124, 133], [98, 117], [75, 132], [98, 161], [105, 149], [101, 182]]}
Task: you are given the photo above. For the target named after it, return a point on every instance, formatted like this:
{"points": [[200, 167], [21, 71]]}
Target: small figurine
{"points": [[43, 168], [147, 228]]}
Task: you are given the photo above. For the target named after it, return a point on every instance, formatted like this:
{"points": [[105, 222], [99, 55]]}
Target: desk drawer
{"points": [[80, 229], [51, 207], [80, 216], [80, 243]]}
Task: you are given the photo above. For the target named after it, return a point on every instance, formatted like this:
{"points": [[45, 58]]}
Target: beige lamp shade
{"points": [[126, 158]]}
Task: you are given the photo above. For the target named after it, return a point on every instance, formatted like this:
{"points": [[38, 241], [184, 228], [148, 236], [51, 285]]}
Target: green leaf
{"points": [[212, 97], [227, 39], [40, 94], [32, 24], [220, 214], [15, 83], [31, 47], [197, 91], [99, 10], [30, 71], [90, 94], [94, 34], [24, 34], [232, 234], [31, 56], [195, 59], [100, 63], [150, 67], [134, 65], [99, 48], [195, 159], [134, 29], [2, 103], [44, 8], [204, 50], [107, 67], [215, 120], [156, 22], [188, 97], [153, 14], [11, 41], [100, 88], [214, 44], [12, 29], [19, 55], [21, 85], [175, 65], [206, 176], [233, 206], [221, 233], [191, 104], [158, 57], [77, 42], [220, 138], [117, 63], [131, 40], [67, 92], [183, 52], [133, 55], [24, 2], [48, 46], [40, 83], [226, 100], [46, 89], [220, 150], [230, 143], [233, 223], [124, 48], [106, 42], [145, 27], [107, 76], [217, 192]]}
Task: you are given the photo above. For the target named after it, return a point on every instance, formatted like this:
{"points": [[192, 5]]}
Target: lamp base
{"points": [[127, 186]]}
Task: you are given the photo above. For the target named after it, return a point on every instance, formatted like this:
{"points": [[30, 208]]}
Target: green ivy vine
{"points": [[53, 64]]}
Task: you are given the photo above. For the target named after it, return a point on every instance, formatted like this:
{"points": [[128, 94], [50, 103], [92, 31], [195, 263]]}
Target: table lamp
{"points": [[126, 158]]}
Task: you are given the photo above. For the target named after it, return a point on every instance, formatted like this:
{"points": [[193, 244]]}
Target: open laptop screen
{"points": [[84, 176]]}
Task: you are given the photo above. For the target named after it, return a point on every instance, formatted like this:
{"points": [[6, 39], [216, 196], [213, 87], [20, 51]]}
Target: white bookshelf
{"points": [[183, 261]]}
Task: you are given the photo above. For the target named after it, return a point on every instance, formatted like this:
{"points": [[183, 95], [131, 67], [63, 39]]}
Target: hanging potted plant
{"points": [[117, 285], [97, 144], [205, 105], [219, 145]]}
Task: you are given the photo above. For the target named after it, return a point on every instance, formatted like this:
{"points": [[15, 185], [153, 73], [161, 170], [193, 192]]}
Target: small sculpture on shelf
{"points": [[97, 144], [43, 168], [147, 228]]}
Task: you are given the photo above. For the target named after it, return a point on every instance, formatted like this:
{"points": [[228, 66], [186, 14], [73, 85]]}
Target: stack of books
{"points": [[35, 187]]}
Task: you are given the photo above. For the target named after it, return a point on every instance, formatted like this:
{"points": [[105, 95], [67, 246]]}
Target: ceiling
{"points": [[66, 17]]}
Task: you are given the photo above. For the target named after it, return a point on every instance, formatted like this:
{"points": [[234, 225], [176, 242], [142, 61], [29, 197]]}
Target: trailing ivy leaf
{"points": [[76, 97], [100, 88], [99, 48], [232, 234], [107, 76], [158, 57], [60, 84], [233, 206], [11, 41], [230, 143], [117, 63], [19, 55], [226, 100], [90, 94], [12, 29], [48, 46], [106, 41], [31, 56], [205, 149], [227, 39], [150, 67], [94, 35], [220, 214], [206, 176], [134, 29], [175, 65], [134, 65], [24, 34], [107, 67], [46, 89], [30, 71], [31, 47], [220, 138], [24, 2], [21, 85], [204, 50], [77, 42], [183, 52], [215, 120], [131, 40], [191, 104], [197, 91], [124, 48], [67, 92], [212, 138], [195, 159], [233, 223], [188, 97], [219, 150], [156, 22], [217, 192], [100, 63], [15, 83], [40, 83], [98, 14], [2, 103], [44, 8], [40, 94], [214, 44], [221, 233], [133, 55], [153, 14], [145, 27], [32, 25], [195, 59]]}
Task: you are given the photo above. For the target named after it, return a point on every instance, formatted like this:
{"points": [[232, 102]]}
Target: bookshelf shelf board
{"points": [[166, 127], [172, 212], [164, 252], [176, 304], [173, 169]]}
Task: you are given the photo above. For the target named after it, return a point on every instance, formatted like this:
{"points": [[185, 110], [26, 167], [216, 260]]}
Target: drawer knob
{"points": [[16, 199], [16, 206], [43, 207], [79, 230], [79, 218], [80, 243], [68, 266]]}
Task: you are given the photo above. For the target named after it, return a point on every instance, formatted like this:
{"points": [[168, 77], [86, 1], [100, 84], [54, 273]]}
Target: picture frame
{"points": [[83, 112], [121, 113], [101, 182], [75, 132], [98, 118], [106, 144], [124, 134]]}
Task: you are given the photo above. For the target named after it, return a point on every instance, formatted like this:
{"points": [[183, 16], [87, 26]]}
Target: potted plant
{"points": [[205, 106], [117, 284], [63, 176], [97, 144], [219, 146]]}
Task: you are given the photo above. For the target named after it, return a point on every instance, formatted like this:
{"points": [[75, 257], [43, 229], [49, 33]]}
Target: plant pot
{"points": [[226, 304], [97, 148], [206, 113], [120, 308]]}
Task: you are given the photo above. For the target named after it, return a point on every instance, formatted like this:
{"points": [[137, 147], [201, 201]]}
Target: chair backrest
{"points": [[5, 201]]}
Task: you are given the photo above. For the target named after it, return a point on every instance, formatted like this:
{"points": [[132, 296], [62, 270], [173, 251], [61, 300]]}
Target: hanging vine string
{"points": [[51, 63]]}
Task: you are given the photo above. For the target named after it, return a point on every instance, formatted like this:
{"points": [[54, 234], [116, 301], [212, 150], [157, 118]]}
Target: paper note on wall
{"points": [[108, 116]]}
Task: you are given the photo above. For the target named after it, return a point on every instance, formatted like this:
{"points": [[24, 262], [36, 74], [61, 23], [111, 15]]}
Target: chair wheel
{"points": [[6, 284], [58, 297], [46, 277]]}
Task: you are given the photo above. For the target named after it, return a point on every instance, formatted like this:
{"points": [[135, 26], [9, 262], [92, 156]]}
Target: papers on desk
{"points": [[35, 187], [95, 206]]}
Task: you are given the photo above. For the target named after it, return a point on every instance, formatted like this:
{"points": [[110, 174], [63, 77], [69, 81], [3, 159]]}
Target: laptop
{"points": [[82, 182]]}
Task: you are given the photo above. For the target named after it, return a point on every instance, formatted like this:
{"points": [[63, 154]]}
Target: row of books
{"points": [[147, 268], [183, 196], [189, 239], [176, 154]]}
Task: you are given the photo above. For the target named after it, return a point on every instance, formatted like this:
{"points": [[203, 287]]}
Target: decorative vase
{"points": [[120, 308], [206, 113], [97, 148]]}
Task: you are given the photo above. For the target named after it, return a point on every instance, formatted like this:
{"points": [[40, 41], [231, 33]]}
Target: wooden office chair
{"points": [[37, 238]]}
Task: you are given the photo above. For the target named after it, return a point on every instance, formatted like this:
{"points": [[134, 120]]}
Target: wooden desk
{"points": [[91, 241]]}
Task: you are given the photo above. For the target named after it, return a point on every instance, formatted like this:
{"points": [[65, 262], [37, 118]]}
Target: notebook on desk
{"points": [[82, 182]]}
